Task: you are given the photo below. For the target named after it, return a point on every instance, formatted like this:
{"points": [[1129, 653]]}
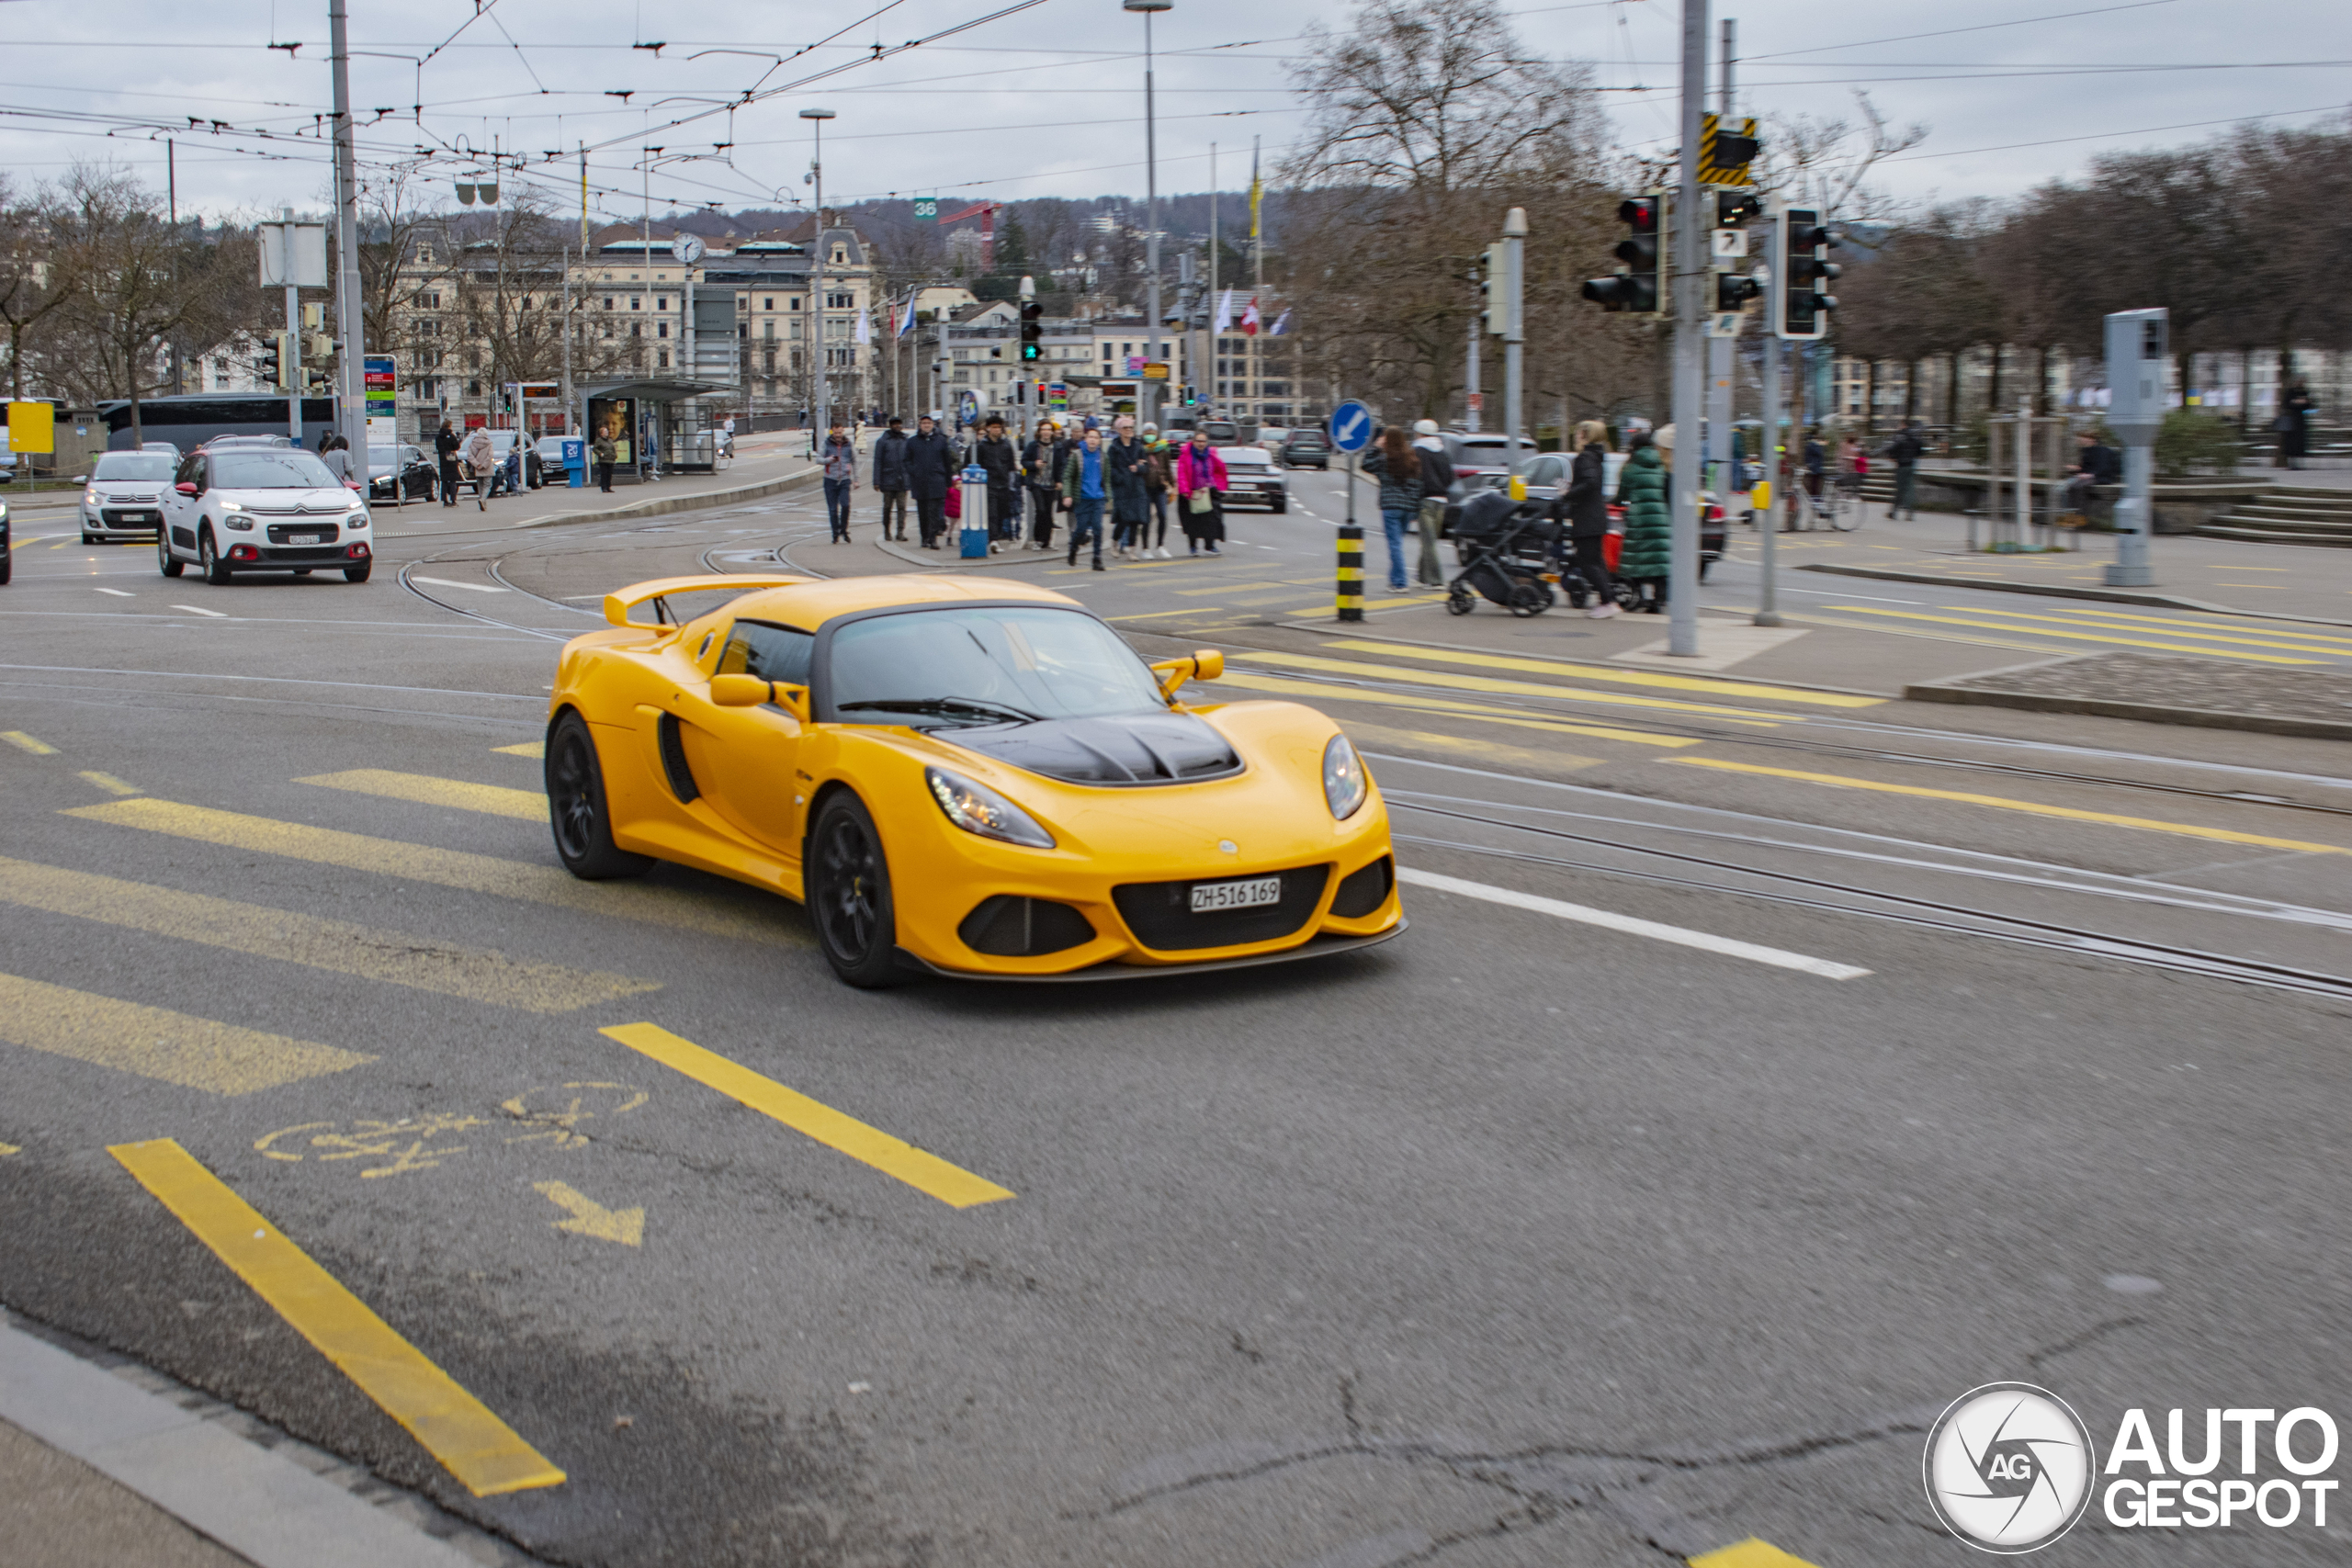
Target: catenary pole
{"points": [[1722, 355], [1768, 520], [1689, 363], [1514, 333], [351, 318]]}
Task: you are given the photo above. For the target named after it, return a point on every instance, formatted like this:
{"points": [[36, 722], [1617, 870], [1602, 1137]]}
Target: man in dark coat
{"points": [[890, 477], [1905, 450], [996, 454], [445, 451], [1128, 464], [931, 469]]}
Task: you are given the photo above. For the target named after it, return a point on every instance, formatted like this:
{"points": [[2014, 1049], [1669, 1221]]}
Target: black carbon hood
{"points": [[1130, 750]]}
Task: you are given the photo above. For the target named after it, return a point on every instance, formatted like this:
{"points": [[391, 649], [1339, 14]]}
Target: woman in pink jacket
{"points": [[1200, 493]]}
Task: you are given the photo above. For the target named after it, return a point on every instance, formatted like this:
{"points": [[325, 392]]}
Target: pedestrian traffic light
{"points": [[1032, 333], [1736, 208], [1799, 307], [1638, 285], [1492, 306], [290, 363], [1733, 292]]}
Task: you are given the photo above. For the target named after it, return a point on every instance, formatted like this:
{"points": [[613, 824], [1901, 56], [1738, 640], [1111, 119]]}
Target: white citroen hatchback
{"points": [[257, 508]]}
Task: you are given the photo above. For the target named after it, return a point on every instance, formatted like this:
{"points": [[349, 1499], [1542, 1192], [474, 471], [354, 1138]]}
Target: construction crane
{"points": [[986, 211]]}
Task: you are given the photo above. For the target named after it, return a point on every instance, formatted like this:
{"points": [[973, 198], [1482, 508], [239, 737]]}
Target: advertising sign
{"points": [[382, 393], [615, 418]]}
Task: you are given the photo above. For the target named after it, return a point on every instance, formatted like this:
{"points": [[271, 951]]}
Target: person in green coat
{"points": [[1645, 490]]}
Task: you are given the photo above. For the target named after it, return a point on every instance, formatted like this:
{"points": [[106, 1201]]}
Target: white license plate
{"points": [[1211, 897], [301, 538]]}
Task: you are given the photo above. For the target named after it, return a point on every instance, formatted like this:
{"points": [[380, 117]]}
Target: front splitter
{"points": [[1317, 947]]}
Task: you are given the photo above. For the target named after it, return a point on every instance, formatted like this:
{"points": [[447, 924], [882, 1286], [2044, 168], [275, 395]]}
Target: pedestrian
{"points": [[1399, 468], [1817, 460], [604, 452], [1159, 479], [1583, 506], [1041, 465], [2096, 464], [2293, 426], [482, 461], [650, 455], [1086, 486], [930, 473], [890, 477], [996, 454], [1646, 490], [1130, 486], [1904, 451], [1200, 493], [840, 479], [445, 452], [1437, 488]]}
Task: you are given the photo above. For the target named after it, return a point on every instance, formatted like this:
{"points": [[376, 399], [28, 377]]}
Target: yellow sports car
{"points": [[962, 776]]}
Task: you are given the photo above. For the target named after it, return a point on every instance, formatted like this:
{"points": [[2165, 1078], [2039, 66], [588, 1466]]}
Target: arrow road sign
{"points": [[1350, 426]]}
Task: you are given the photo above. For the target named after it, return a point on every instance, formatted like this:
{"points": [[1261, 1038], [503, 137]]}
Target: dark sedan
{"points": [[400, 474], [1307, 449]]}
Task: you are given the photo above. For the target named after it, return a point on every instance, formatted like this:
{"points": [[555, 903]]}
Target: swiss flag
{"points": [[1250, 318]]}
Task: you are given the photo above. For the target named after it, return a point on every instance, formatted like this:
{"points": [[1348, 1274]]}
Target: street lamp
{"points": [[1146, 393], [817, 285]]}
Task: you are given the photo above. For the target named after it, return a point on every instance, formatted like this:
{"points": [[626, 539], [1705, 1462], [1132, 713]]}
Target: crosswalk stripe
{"points": [[2110, 639], [483, 1452], [525, 749], [1327, 692], [928, 1173], [111, 784], [2167, 626], [446, 868], [1493, 752], [1749, 1553], [2032, 807], [155, 1042], [23, 742], [394, 957], [1712, 685], [524, 804], [1489, 684]]}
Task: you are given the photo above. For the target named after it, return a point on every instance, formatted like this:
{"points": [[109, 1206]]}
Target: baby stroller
{"points": [[1505, 550]]}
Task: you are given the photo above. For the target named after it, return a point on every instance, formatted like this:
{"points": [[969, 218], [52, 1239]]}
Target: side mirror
{"points": [[1207, 664], [185, 487], [737, 691], [81, 478], [793, 700]]}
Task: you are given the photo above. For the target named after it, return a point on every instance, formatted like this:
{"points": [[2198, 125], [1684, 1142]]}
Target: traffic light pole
{"points": [[1721, 352], [1689, 273], [1768, 520], [1514, 333]]}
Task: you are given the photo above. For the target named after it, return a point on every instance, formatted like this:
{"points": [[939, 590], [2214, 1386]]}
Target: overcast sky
{"points": [[1047, 101]]}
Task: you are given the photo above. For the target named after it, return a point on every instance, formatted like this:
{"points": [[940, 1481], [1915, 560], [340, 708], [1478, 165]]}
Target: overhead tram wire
{"points": [[1947, 33]]}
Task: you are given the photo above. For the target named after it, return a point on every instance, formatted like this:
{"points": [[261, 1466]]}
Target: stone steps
{"points": [[2289, 514], [2341, 538]]}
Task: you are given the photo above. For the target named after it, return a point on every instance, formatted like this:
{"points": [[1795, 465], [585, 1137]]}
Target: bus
{"points": [[192, 419]]}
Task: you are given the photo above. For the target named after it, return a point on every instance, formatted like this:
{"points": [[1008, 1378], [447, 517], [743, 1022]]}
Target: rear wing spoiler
{"points": [[620, 604]]}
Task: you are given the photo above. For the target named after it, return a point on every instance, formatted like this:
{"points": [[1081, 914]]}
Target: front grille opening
{"points": [[1007, 926], [1362, 892], [1161, 913], [674, 761]]}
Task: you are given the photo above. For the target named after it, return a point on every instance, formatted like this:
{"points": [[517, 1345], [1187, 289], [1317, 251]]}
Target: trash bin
{"points": [[974, 535]]}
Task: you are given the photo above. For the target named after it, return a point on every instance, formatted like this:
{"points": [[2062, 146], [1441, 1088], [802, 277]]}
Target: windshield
{"points": [[985, 666], [287, 470], [145, 467]]}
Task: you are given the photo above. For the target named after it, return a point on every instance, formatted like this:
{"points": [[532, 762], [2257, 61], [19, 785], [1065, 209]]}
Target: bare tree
{"points": [[33, 284], [1825, 163]]}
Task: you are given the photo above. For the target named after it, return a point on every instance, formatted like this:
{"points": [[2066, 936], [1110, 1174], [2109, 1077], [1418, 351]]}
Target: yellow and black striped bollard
{"points": [[1350, 572]]}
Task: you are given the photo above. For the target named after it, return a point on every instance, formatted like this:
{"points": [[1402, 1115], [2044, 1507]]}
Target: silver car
{"points": [[123, 497]]}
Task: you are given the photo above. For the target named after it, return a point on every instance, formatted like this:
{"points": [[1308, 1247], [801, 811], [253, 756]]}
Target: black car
{"points": [[400, 474], [4, 567], [1305, 450]]}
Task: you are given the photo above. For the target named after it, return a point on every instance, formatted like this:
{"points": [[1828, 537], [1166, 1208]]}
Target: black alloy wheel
{"points": [[849, 894], [167, 563], [576, 809]]}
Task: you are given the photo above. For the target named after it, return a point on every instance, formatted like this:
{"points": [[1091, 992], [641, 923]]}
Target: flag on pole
{"points": [[1255, 188], [1282, 325], [1250, 318], [907, 317], [1224, 313], [865, 326]]}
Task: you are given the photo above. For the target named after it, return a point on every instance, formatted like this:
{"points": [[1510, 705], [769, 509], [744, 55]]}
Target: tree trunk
{"points": [[1870, 403], [2245, 389], [1993, 387], [1911, 391], [1952, 389], [138, 430]]}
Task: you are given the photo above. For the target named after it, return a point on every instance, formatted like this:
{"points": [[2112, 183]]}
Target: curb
{"points": [[944, 561], [254, 1501], [2051, 590], [1956, 692], [669, 503]]}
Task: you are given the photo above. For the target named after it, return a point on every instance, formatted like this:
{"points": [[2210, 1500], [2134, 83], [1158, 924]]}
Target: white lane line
{"points": [[1681, 936], [199, 610], [118, 592], [444, 582]]}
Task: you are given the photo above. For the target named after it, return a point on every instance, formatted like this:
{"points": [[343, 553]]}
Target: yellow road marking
{"points": [[112, 785], [2293, 642], [1163, 614], [924, 1172], [1883, 630], [528, 749], [443, 868], [1440, 704], [1470, 746], [173, 1047], [2032, 807], [20, 739], [2052, 631], [592, 1218], [7, 1149], [421, 963], [482, 1452], [1490, 684], [524, 804], [1748, 1553], [1709, 684], [2121, 618]]}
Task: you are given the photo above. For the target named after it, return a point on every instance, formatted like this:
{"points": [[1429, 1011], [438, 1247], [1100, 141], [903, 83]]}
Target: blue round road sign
{"points": [[1351, 426]]}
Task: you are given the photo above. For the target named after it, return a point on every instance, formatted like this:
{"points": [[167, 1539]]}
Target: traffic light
{"points": [[1733, 292], [1492, 307], [1639, 285], [1032, 333], [289, 362], [1736, 208], [1725, 151], [1799, 307]]}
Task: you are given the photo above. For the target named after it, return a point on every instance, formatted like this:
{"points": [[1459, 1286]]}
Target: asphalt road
{"points": [[1522, 1240]]}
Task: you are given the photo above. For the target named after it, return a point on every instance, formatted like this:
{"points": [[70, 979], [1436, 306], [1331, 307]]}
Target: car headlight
{"points": [[976, 808], [357, 520], [1344, 783], [90, 496], [242, 524]]}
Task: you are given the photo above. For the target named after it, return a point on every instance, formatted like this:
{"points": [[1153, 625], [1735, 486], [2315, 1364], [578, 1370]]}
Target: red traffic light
{"points": [[1641, 211]]}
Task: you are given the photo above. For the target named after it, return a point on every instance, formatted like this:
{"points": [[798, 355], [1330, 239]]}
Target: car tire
{"points": [[86, 538], [7, 569], [577, 810], [848, 883], [167, 563], [1279, 507], [209, 563], [358, 573]]}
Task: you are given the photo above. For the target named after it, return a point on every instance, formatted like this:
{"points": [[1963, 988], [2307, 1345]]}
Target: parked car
{"points": [[1253, 480], [1307, 448], [122, 498], [400, 473], [4, 567], [551, 451]]}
